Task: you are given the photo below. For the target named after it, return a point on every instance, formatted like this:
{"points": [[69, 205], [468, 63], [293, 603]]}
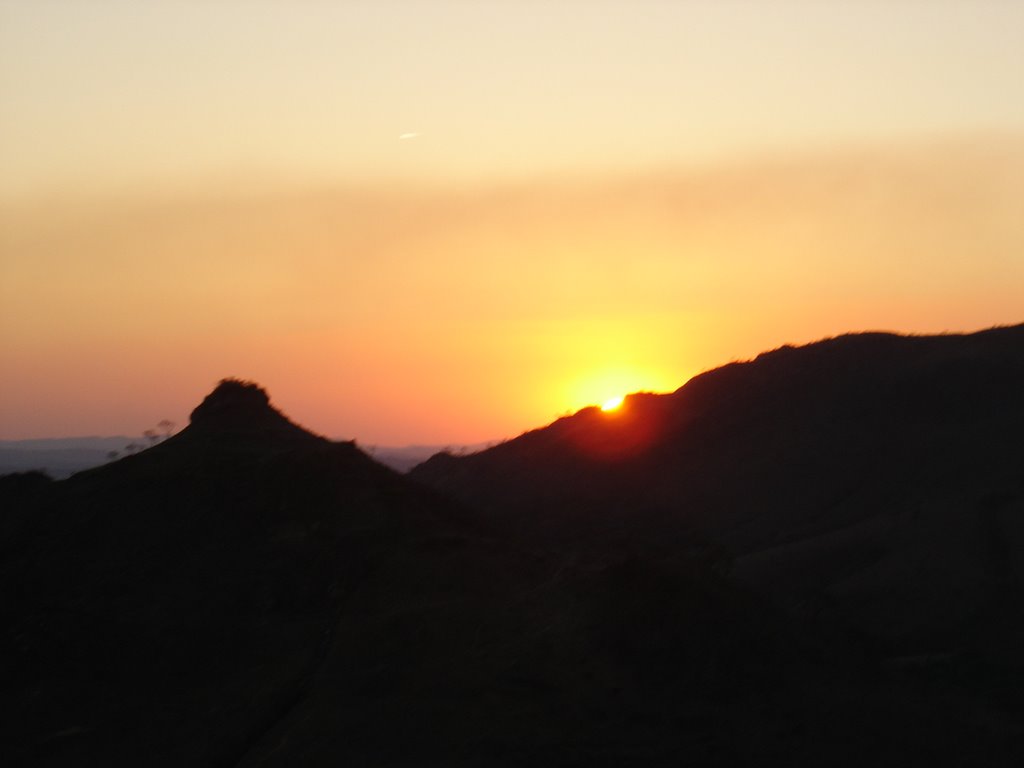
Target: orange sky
{"points": [[597, 201]]}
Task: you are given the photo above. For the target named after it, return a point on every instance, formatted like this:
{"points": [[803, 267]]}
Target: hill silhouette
{"points": [[873, 480], [167, 606], [249, 593], [880, 468]]}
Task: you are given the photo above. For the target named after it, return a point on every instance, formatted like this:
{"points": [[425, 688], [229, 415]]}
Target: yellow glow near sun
{"points": [[597, 361], [607, 386], [612, 403]]}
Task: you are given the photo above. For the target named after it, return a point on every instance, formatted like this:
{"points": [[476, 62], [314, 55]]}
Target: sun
{"points": [[612, 403]]}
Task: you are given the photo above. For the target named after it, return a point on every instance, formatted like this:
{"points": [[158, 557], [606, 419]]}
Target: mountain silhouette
{"points": [[248, 593], [170, 606], [871, 479]]}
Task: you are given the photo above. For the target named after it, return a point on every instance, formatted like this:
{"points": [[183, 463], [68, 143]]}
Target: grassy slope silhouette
{"points": [[248, 593]]}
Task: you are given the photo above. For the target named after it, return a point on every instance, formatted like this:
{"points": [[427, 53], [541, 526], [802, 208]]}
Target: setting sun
{"points": [[577, 342], [444, 254], [612, 403]]}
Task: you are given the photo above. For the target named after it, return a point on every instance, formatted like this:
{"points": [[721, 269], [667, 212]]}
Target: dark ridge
{"points": [[233, 401], [851, 479], [241, 407], [814, 558], [792, 420], [22, 482]]}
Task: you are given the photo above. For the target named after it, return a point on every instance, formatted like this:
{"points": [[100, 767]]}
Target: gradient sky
{"points": [[590, 198]]}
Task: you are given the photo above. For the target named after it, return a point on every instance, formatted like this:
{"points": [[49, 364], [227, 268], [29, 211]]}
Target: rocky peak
{"points": [[239, 406]]}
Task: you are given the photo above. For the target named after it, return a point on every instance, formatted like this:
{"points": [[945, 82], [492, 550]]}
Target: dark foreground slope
{"points": [[247, 593], [168, 608], [872, 480]]}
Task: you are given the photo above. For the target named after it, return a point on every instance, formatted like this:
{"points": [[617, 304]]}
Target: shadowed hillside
{"points": [[168, 607], [247, 593], [872, 480]]}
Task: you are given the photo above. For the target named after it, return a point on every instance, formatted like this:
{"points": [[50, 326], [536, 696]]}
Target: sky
{"points": [[450, 222]]}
